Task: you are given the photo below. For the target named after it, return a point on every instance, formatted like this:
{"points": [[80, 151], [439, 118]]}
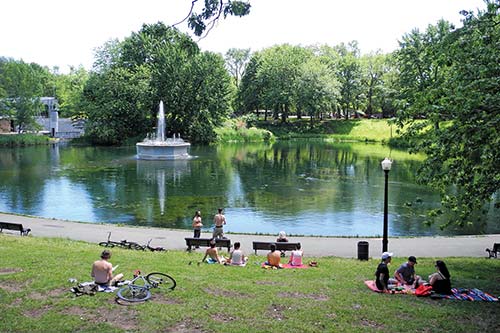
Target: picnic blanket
{"points": [[457, 293], [399, 290], [465, 294], [264, 265]]}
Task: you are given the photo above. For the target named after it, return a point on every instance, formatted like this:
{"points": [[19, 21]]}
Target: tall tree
{"points": [[463, 157], [236, 61], [349, 74]]}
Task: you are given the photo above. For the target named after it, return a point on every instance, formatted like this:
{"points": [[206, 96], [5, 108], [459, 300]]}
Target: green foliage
{"points": [[460, 83], [35, 294], [69, 91], [18, 140], [211, 13], [156, 63], [115, 101], [239, 130]]}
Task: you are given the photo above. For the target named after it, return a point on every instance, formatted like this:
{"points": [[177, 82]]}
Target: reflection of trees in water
{"points": [[288, 179], [29, 167]]}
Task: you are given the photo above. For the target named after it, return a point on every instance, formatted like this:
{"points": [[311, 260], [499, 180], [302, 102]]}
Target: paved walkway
{"points": [[438, 247]]}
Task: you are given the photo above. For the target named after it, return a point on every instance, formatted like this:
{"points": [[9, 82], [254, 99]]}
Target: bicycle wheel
{"points": [[158, 280], [135, 246], [132, 293], [107, 244]]}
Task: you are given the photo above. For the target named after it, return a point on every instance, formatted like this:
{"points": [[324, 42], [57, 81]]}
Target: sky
{"points": [[65, 33]]}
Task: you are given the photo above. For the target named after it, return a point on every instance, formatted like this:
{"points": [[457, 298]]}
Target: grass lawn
{"points": [[35, 297], [374, 130]]}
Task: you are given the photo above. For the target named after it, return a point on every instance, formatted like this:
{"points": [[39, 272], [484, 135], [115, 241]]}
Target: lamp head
{"points": [[386, 164]]}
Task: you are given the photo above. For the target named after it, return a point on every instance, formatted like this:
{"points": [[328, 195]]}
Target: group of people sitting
{"points": [[406, 277], [237, 258]]}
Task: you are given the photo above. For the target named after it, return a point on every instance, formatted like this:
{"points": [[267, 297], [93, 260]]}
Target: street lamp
{"points": [[386, 166]]}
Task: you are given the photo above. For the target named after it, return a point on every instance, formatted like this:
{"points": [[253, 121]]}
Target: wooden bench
{"points": [[280, 246], [493, 252], [14, 226], [219, 242]]}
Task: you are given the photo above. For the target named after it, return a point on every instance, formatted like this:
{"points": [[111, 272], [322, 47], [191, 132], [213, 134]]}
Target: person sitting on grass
{"points": [[440, 281], [405, 274], [213, 255], [102, 271], [236, 257], [296, 256], [273, 257], [382, 280]]}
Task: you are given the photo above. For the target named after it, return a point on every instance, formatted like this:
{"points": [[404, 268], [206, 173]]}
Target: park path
{"points": [[346, 247]]}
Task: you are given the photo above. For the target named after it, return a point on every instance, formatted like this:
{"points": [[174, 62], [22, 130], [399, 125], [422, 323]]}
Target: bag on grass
{"points": [[423, 291]]}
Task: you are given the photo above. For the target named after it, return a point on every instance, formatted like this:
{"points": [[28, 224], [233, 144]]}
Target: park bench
{"points": [[219, 242], [280, 246], [14, 226], [493, 252]]}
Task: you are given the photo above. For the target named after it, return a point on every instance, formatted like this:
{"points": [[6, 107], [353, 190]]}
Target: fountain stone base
{"points": [[162, 150]]}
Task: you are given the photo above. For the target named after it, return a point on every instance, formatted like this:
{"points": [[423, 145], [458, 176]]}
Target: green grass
{"points": [[35, 297], [369, 130], [16, 140]]}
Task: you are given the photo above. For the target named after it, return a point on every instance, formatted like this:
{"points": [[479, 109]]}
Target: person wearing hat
{"points": [[102, 270], [382, 274], [405, 274]]}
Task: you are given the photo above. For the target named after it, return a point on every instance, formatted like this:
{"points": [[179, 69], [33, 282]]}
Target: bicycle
{"points": [[123, 244], [153, 249], [138, 290]]}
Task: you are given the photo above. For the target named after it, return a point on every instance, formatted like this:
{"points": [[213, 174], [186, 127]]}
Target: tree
{"points": [[424, 67], [236, 61], [156, 63], [349, 74], [22, 84], [463, 157], [69, 89], [278, 73], [249, 97], [373, 68], [211, 13], [317, 89]]}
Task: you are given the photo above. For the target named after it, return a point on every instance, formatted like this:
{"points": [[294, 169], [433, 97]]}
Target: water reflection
{"points": [[314, 188]]}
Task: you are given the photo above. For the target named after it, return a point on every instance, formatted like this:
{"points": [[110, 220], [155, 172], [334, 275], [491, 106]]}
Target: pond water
{"points": [[302, 187]]}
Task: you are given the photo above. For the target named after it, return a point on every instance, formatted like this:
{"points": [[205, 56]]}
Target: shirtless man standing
{"points": [[219, 221], [102, 270]]}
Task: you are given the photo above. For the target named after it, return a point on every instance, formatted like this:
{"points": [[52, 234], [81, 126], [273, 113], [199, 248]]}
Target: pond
{"points": [[302, 187]]}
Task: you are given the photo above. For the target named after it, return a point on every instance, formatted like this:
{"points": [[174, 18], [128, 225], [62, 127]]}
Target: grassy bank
{"points": [[18, 140], [35, 297], [370, 130]]}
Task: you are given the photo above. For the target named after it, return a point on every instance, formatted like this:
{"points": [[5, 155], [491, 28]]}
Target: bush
{"points": [[17, 140]]}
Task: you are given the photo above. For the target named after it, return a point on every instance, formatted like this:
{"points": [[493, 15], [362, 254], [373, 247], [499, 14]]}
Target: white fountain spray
{"points": [[161, 147], [160, 124]]}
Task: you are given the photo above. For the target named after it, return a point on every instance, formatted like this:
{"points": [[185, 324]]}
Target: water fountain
{"points": [[161, 148]]}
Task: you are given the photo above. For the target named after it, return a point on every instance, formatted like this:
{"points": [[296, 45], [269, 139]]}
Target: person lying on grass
{"points": [[213, 255]]}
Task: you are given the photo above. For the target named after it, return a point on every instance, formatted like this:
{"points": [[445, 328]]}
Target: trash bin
{"points": [[363, 250]]}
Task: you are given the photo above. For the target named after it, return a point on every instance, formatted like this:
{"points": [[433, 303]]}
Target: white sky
{"points": [[65, 32]]}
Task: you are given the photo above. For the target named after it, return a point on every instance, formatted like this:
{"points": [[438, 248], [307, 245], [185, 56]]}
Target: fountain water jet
{"points": [[161, 148]]}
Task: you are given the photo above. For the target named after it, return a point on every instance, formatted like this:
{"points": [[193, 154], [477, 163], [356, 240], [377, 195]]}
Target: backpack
{"points": [[423, 290]]}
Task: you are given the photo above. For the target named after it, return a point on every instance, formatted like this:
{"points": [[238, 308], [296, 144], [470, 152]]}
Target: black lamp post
{"points": [[386, 166]]}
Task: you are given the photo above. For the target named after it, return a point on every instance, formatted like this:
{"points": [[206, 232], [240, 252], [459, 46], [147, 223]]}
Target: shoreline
{"points": [[314, 246]]}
